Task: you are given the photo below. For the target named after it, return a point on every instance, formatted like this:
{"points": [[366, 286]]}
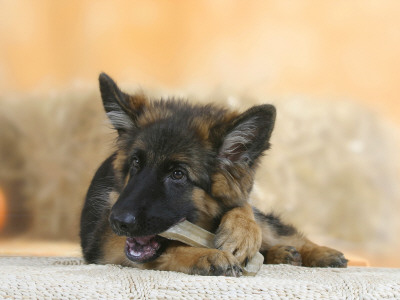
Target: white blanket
{"points": [[70, 278]]}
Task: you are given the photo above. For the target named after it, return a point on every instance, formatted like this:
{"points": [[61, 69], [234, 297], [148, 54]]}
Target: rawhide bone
{"points": [[196, 236]]}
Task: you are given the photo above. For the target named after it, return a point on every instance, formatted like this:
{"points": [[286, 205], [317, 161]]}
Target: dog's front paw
{"points": [[239, 235], [283, 255], [217, 263], [324, 257]]}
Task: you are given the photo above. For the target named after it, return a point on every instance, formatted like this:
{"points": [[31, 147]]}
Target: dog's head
{"points": [[177, 161]]}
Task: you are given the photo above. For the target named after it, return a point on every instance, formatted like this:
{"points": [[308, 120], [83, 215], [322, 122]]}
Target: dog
{"points": [[177, 161]]}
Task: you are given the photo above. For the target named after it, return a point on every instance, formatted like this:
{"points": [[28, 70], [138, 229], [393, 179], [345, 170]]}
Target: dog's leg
{"points": [[283, 244], [201, 261], [239, 234]]}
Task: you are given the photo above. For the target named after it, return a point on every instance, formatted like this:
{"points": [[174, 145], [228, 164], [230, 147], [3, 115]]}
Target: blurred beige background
{"points": [[334, 51], [339, 49]]}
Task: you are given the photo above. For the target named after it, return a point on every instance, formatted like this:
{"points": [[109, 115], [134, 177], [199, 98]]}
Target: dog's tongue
{"points": [[141, 248]]}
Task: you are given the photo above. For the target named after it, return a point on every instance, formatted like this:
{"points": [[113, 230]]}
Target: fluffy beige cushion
{"points": [[70, 278]]}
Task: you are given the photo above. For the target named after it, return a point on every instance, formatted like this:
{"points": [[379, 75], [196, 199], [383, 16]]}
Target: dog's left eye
{"points": [[136, 162], [135, 166], [177, 174]]}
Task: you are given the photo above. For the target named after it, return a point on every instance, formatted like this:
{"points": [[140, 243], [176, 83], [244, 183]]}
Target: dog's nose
{"points": [[124, 223]]}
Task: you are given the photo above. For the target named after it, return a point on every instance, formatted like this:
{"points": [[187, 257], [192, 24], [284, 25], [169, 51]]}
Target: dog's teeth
{"points": [[134, 253]]}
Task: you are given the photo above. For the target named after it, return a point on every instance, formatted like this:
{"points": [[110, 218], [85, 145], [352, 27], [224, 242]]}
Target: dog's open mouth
{"points": [[143, 249]]}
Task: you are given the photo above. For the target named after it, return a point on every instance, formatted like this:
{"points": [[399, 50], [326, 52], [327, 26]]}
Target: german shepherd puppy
{"points": [[177, 161]]}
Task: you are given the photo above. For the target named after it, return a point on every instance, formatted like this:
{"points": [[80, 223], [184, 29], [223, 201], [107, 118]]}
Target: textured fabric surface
{"points": [[70, 278]]}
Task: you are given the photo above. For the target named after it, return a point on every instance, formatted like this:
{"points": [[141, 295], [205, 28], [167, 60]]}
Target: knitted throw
{"points": [[70, 278]]}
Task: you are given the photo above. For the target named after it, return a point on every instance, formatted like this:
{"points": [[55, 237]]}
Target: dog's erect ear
{"points": [[248, 136], [122, 109]]}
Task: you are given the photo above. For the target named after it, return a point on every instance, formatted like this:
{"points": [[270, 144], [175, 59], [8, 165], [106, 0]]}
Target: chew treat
{"points": [[196, 236]]}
